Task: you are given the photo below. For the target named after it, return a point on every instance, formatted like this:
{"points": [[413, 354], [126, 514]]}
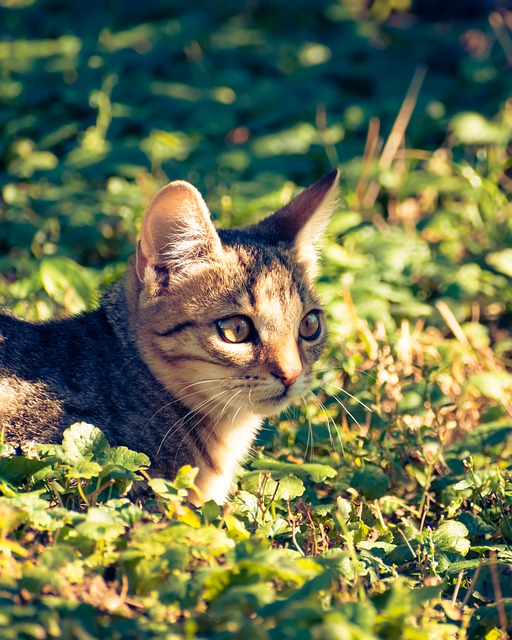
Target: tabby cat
{"points": [[207, 333]]}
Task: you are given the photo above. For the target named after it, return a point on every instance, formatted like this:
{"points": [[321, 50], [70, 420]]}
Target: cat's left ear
{"points": [[177, 231], [303, 221]]}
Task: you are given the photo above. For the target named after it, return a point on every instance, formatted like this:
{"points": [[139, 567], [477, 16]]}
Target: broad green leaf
{"points": [[10, 517], [493, 435], [211, 511], [185, 477], [124, 457], [335, 626], [496, 385], [452, 536], [235, 528], [164, 488], [317, 472], [490, 616], [65, 281], [244, 597], [371, 481], [83, 468], [400, 601], [285, 487], [99, 525], [16, 468], [501, 261], [84, 440]]}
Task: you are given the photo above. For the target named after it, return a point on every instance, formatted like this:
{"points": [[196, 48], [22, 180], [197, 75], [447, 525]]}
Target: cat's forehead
{"points": [[276, 298], [272, 284], [258, 281]]}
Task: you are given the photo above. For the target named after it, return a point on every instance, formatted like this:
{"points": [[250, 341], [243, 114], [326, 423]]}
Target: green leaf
{"points": [[10, 516], [100, 524], [83, 468], [496, 385], [235, 528], [493, 435], [290, 487], [16, 468], [65, 281], [164, 488], [211, 511], [400, 601], [185, 478], [317, 472], [501, 261], [83, 440], [371, 481], [490, 616], [124, 457], [284, 487], [452, 536]]}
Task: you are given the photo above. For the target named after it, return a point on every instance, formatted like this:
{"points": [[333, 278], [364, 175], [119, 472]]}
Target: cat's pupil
{"points": [[234, 329], [310, 326]]}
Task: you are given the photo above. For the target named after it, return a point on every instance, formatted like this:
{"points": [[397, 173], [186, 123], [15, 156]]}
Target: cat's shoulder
{"points": [[15, 336], [7, 316], [12, 326], [10, 323]]}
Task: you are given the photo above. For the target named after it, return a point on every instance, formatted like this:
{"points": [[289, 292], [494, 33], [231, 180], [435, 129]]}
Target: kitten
{"points": [[207, 333]]}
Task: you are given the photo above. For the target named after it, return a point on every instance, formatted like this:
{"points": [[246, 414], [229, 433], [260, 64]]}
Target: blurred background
{"points": [[104, 102]]}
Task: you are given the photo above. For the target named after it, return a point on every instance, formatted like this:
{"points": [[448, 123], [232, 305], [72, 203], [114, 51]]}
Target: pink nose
{"points": [[287, 377]]}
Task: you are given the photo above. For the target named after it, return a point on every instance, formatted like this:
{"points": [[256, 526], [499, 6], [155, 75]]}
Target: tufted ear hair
{"points": [[303, 221], [176, 231]]}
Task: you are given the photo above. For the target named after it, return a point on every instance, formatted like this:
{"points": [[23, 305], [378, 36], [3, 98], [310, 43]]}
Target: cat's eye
{"points": [[310, 326], [235, 329]]}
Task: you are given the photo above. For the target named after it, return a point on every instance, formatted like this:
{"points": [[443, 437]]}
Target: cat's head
{"points": [[229, 320]]}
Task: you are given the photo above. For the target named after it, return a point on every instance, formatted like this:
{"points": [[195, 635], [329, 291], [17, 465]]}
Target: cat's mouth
{"points": [[276, 403], [282, 397]]}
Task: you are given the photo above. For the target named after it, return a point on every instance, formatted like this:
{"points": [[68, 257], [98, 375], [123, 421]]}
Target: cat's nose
{"points": [[287, 377]]}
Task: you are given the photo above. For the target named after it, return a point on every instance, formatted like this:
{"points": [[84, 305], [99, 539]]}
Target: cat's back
{"points": [[28, 406], [55, 348], [18, 339], [52, 373]]}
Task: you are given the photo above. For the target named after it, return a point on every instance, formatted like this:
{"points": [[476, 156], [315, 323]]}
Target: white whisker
{"points": [[346, 393], [330, 419], [168, 404], [186, 418], [203, 417], [343, 407], [310, 433], [218, 418]]}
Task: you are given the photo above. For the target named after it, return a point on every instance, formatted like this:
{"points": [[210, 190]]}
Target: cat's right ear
{"points": [[176, 231], [302, 222]]}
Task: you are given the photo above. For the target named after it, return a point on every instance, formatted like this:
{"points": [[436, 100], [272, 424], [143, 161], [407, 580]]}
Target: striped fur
{"points": [[151, 366]]}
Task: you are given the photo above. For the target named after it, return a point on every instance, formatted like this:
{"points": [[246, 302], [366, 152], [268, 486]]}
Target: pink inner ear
{"points": [[175, 227], [172, 209]]}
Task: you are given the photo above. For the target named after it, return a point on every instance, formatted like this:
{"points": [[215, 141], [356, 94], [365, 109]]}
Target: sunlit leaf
{"points": [[64, 280]]}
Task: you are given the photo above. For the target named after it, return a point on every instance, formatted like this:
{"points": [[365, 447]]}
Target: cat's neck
{"points": [[230, 443], [120, 306]]}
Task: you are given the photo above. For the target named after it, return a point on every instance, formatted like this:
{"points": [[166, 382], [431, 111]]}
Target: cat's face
{"points": [[229, 321], [238, 334]]}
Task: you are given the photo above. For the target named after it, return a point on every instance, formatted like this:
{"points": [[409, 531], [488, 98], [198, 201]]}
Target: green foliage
{"points": [[77, 553], [382, 508]]}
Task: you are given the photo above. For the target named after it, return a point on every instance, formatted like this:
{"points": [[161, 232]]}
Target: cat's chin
{"points": [[271, 406]]}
